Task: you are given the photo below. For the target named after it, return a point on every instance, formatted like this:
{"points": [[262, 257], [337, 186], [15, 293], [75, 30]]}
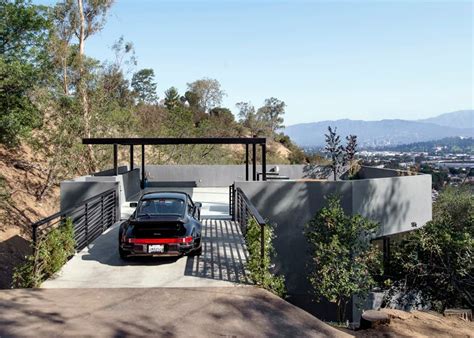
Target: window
{"points": [[161, 206]]}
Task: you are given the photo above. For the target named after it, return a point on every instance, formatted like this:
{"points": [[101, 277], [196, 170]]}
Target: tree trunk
{"points": [[83, 89]]}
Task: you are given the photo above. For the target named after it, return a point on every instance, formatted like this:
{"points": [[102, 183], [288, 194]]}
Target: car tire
{"points": [[123, 255], [196, 252]]}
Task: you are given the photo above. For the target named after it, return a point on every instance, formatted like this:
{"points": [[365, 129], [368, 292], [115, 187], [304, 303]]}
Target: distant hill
{"points": [[381, 133], [457, 119], [451, 145]]}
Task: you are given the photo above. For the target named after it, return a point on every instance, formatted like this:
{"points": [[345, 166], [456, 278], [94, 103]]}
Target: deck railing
{"points": [[244, 210], [90, 219]]}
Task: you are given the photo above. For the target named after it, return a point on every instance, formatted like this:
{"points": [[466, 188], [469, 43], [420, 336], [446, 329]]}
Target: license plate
{"points": [[158, 248]]}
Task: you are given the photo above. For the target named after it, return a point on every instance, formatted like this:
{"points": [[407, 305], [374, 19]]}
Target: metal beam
{"points": [[264, 162], [254, 162], [246, 162], [171, 140], [131, 157], [115, 159], [143, 167]]}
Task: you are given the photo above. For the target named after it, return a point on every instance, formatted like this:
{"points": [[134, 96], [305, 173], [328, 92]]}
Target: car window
{"points": [[161, 206]]}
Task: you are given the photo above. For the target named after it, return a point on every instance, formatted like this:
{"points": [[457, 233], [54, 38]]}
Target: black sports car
{"points": [[163, 224]]}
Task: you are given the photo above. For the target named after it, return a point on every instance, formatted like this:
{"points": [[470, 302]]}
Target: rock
{"points": [[373, 318]]}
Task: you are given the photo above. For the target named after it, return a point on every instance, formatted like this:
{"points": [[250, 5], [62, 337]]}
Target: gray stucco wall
{"points": [[73, 193], [76, 191], [288, 205], [212, 175]]}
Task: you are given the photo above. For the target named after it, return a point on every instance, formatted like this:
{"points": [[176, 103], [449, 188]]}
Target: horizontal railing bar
{"points": [[71, 210], [251, 208]]}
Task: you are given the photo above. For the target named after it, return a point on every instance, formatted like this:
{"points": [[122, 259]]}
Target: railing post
{"points": [[116, 205], [86, 222], [102, 212]]}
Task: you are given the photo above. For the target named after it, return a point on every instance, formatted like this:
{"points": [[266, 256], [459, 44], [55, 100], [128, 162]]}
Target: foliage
{"points": [[51, 253], [342, 257], [172, 99], [144, 85], [438, 258], [204, 94], [262, 275], [23, 32], [335, 151], [272, 114]]}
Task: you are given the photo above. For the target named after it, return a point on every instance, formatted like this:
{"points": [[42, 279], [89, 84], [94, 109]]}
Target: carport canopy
{"points": [[143, 141]]}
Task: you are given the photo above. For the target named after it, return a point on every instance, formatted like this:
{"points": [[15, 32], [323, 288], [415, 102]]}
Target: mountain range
{"points": [[386, 132]]}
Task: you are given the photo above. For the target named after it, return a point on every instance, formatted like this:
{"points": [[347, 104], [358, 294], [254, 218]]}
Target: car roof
{"points": [[164, 194]]}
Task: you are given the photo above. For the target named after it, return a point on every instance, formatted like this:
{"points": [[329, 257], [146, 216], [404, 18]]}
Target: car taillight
{"points": [[188, 239]]}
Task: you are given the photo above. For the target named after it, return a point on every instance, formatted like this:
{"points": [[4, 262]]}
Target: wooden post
{"points": [[264, 162]]}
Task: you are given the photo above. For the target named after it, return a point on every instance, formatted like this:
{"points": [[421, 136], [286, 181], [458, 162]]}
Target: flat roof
{"points": [[175, 140]]}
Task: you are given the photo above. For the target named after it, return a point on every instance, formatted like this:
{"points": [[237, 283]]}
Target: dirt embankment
{"points": [[22, 178], [420, 324]]}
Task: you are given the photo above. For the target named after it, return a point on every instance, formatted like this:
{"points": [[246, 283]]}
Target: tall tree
{"points": [[172, 98], [144, 85], [335, 151], [350, 152], [272, 113], [23, 65], [91, 18], [249, 119], [205, 94]]}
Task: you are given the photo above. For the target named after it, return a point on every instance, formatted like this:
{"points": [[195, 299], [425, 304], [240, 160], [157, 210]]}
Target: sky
{"points": [[369, 60]]}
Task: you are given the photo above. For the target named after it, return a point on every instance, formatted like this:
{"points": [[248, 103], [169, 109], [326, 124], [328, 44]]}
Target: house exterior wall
{"points": [[394, 202], [212, 175]]}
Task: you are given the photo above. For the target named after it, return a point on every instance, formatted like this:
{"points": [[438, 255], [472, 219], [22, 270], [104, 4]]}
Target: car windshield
{"points": [[161, 206]]}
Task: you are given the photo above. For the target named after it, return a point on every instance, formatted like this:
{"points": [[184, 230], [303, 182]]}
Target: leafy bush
{"points": [[438, 258], [261, 274], [51, 253], [343, 261]]}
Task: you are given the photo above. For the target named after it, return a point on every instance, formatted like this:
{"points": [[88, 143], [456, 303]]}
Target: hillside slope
{"points": [[22, 175], [458, 119]]}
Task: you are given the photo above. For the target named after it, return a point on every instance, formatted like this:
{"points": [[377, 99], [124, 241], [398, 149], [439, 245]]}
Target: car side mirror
{"points": [[133, 204], [198, 204]]}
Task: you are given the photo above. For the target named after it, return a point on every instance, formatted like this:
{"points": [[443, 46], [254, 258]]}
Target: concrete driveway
{"points": [[165, 312], [99, 265]]}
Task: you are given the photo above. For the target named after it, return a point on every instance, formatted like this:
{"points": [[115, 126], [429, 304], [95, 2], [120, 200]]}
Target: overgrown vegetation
{"points": [[438, 259], [52, 95], [343, 260], [51, 253], [262, 274]]}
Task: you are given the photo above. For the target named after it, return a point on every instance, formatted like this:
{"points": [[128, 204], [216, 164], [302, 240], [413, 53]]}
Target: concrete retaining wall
{"points": [[288, 205], [74, 192], [212, 175]]}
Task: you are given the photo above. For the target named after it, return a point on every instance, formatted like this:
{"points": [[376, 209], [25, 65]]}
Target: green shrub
{"points": [[438, 259], [343, 260], [261, 274], [51, 253]]}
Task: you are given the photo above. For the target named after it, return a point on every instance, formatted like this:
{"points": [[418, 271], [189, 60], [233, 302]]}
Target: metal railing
{"points": [[245, 210], [231, 200], [90, 219]]}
